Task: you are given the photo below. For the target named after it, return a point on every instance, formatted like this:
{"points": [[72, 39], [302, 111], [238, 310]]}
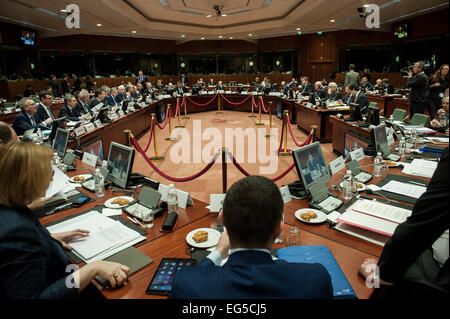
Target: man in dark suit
{"points": [[99, 98], [180, 89], [252, 213], [149, 90], [26, 119], [306, 86], [55, 86], [184, 80], [333, 93], [319, 92], [82, 104], [65, 88], [413, 266], [366, 84], [122, 95], [43, 111], [111, 99], [69, 110], [76, 83], [141, 78], [268, 87], [358, 97], [219, 86], [418, 82], [388, 87]]}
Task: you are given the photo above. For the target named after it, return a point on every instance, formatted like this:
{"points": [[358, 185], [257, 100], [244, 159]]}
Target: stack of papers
{"points": [[106, 236], [406, 189], [420, 167], [372, 216]]}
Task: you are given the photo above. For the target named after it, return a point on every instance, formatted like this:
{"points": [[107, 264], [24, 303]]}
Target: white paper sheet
{"points": [[405, 189], [420, 167], [60, 182], [385, 211]]}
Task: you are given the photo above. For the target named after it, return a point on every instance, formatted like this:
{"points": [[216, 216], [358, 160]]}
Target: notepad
{"points": [[381, 210], [405, 189]]}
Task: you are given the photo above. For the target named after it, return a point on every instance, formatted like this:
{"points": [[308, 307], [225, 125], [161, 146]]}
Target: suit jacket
{"points": [[180, 90], [320, 94], [252, 274], [94, 102], [32, 264], [22, 122], [362, 100], [389, 88], [81, 109], [55, 88], [65, 87], [307, 88], [220, 87], [143, 80], [429, 219], [368, 86], [185, 81], [41, 114], [351, 77], [419, 88], [76, 85], [72, 115], [111, 100], [336, 96]]}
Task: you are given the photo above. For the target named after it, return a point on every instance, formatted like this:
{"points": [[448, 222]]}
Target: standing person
{"points": [[252, 213], [141, 78], [55, 86], [438, 84], [76, 83], [352, 77], [184, 80], [65, 88], [418, 82]]}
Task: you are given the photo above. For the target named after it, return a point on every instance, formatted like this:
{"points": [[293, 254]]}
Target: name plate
{"points": [[97, 107], [337, 165], [80, 131], [89, 127], [210, 92], [254, 93], [203, 92], [227, 92], [220, 91], [244, 92], [89, 159], [121, 113], [285, 194], [216, 202], [357, 155], [187, 94], [184, 198], [18, 110], [98, 123]]}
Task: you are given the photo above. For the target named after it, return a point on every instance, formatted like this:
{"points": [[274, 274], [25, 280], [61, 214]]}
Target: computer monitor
{"points": [[355, 112], [353, 141], [373, 115], [94, 147], [120, 162], [310, 165], [379, 138], [60, 141]]}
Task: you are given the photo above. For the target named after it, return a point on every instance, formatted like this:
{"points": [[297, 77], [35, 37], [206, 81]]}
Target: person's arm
{"points": [[429, 219], [416, 81]]}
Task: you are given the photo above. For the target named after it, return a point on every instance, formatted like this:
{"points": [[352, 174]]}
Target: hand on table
{"points": [[38, 203], [66, 237], [117, 274], [369, 268]]}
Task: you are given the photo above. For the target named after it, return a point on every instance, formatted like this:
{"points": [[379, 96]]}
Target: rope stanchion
{"points": [[270, 120], [176, 110], [286, 153], [262, 103], [235, 103], [185, 113], [170, 138], [179, 115], [293, 137], [253, 103], [259, 113], [128, 133], [202, 104], [156, 157], [174, 179], [165, 121], [218, 105], [152, 126]]}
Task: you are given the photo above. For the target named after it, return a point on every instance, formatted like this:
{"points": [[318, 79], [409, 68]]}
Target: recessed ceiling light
{"points": [[298, 29], [332, 20], [209, 16], [133, 31], [99, 24], [250, 34]]}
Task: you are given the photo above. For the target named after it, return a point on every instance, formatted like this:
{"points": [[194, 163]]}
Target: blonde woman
{"points": [[33, 263]]}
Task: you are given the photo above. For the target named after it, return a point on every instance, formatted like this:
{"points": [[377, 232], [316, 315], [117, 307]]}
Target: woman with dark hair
{"points": [[438, 84]]}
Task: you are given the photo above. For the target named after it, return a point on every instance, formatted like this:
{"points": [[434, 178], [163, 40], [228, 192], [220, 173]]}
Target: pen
{"points": [[133, 220], [139, 222]]}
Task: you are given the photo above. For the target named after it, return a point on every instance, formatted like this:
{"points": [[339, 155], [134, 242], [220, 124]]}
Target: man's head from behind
{"points": [[7, 134], [252, 212]]}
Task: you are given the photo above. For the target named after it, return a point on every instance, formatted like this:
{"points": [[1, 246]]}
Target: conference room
{"points": [[224, 150]]}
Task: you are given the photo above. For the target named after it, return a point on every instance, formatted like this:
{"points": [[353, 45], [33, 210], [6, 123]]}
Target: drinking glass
{"points": [[148, 219], [293, 237]]}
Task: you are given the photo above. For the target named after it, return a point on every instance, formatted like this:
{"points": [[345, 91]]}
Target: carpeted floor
{"points": [[207, 132]]}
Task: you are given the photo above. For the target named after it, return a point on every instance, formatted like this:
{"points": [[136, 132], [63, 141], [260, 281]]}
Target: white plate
{"points": [[361, 189], [321, 217], [86, 177], [109, 204], [213, 238]]}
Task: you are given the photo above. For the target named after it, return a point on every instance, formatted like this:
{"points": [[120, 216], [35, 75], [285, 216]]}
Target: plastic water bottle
{"points": [[378, 165], [401, 147], [413, 137], [56, 160], [391, 118], [172, 200], [443, 120], [347, 187], [99, 184]]}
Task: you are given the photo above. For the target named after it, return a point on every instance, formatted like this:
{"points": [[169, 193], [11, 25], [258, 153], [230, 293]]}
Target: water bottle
{"points": [[391, 118], [443, 120], [377, 165], [56, 160], [413, 137], [401, 147], [99, 184], [347, 186], [172, 200], [40, 136]]}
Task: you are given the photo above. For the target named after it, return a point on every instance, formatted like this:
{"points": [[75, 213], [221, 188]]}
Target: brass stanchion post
{"points": [[313, 132], [270, 120], [128, 134], [259, 111], [218, 104], [156, 157], [170, 138], [285, 153], [185, 113], [179, 115], [252, 115]]}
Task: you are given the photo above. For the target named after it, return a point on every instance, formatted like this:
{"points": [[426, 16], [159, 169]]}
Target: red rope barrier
{"points": [[282, 134], [165, 121], [243, 171], [202, 104], [150, 137], [176, 111], [262, 103], [174, 179], [234, 102], [308, 139]]}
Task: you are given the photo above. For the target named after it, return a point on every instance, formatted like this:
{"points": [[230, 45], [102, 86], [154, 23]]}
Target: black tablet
{"points": [[161, 283]]}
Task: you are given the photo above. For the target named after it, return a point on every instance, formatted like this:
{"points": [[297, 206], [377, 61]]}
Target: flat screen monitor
{"points": [[28, 38], [60, 141], [94, 147], [379, 138], [373, 115], [355, 112], [310, 165], [120, 162], [352, 142]]}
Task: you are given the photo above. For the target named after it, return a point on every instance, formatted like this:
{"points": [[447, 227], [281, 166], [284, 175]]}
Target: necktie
{"points": [[50, 114], [33, 122], [354, 100]]}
